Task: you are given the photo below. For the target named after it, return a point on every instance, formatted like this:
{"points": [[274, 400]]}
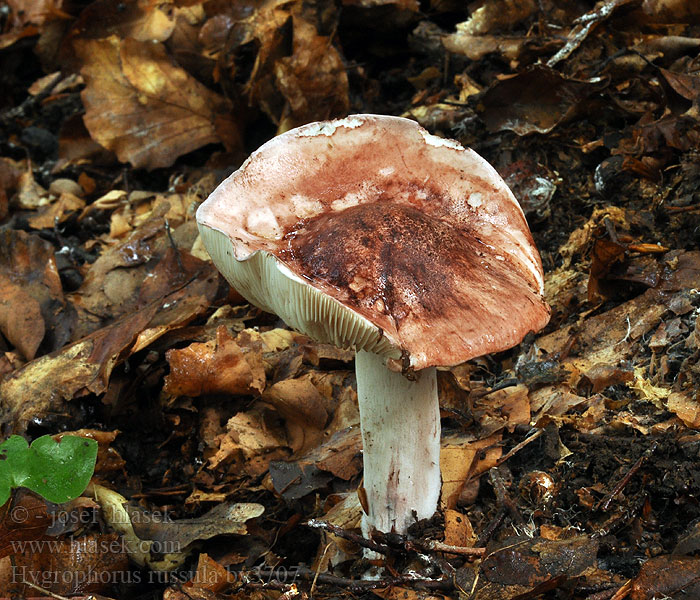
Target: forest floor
{"points": [[570, 464]]}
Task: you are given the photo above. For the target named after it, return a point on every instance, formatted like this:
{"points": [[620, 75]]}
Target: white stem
{"points": [[400, 422]]}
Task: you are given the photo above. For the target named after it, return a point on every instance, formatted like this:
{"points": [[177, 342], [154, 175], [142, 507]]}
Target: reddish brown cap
{"points": [[414, 243]]}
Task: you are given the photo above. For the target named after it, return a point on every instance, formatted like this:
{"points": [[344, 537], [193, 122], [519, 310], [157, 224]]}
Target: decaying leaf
{"points": [[534, 565], [299, 75], [545, 99], [39, 388], [220, 366], [93, 561], [224, 519], [673, 577], [145, 108], [32, 304], [339, 456], [463, 459], [252, 440]]}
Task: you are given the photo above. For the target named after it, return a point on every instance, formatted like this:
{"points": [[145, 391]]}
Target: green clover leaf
{"points": [[57, 471]]}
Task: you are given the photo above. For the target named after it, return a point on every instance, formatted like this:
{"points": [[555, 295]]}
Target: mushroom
{"points": [[368, 232]]}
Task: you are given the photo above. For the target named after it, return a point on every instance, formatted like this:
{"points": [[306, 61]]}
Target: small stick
{"points": [[503, 498], [518, 447], [306, 574], [348, 535], [604, 504], [43, 591], [682, 209], [449, 549], [318, 571], [491, 527]]}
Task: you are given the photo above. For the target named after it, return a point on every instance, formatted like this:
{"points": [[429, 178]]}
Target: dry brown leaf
{"points": [[535, 111], [142, 20], [504, 408], [250, 443], [57, 212], [672, 11], [220, 366], [686, 407], [341, 456], [37, 12], [31, 296], [138, 271], [304, 410], [497, 14], [312, 80], [475, 47], [80, 565], [145, 108], [30, 195], [457, 454], [458, 529], [32, 526], [294, 80], [40, 387], [210, 576], [673, 577]]}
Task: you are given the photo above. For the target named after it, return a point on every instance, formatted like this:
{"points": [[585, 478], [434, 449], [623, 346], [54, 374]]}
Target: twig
{"points": [[619, 520], [318, 571], [682, 209], [449, 549], [604, 504], [519, 447], [359, 585], [348, 535], [43, 591], [503, 498], [582, 28], [491, 527]]}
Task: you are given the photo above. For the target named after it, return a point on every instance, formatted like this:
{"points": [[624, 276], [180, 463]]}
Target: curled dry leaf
{"points": [[545, 99], [82, 565], [40, 387], [457, 464], [672, 577], [218, 366], [56, 212], [31, 296], [293, 87], [250, 443], [225, 519], [145, 108], [142, 21]]}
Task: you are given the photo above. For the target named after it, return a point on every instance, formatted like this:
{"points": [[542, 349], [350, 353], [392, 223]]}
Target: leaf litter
{"points": [[569, 464]]}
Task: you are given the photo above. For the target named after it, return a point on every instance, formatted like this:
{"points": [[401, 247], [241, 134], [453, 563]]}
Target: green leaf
{"points": [[58, 471]]}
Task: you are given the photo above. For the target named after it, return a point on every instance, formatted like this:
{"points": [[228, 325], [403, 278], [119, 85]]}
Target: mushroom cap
{"points": [[369, 232]]}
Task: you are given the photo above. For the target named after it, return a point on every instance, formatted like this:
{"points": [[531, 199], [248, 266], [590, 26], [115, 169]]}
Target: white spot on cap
{"points": [[475, 200], [434, 140], [263, 222], [351, 199], [305, 207], [328, 127], [386, 171]]}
